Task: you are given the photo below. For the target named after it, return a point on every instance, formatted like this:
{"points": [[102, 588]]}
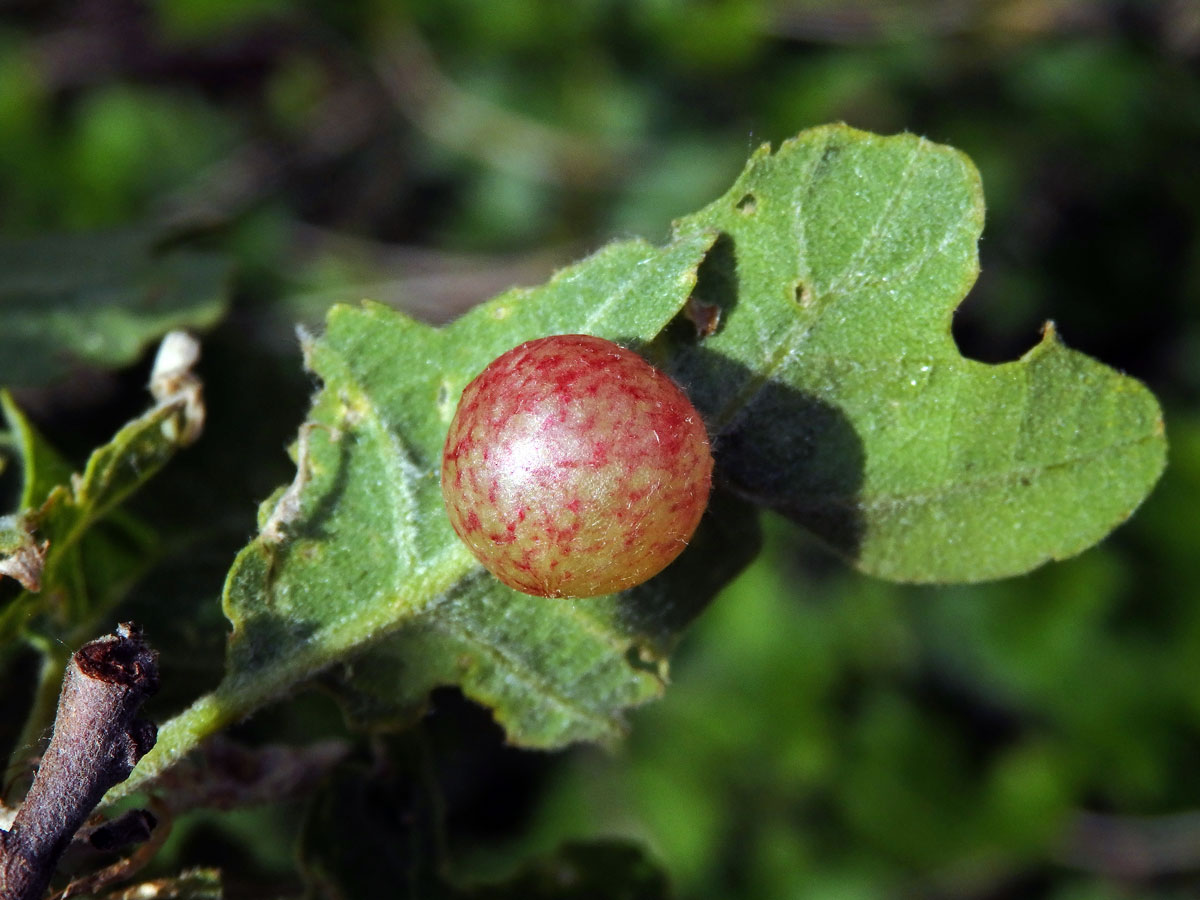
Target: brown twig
{"points": [[97, 741]]}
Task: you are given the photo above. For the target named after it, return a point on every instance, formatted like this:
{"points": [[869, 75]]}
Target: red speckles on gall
{"points": [[572, 449]]}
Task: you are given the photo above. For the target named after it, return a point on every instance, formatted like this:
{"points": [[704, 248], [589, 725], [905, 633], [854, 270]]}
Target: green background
{"points": [[826, 735]]}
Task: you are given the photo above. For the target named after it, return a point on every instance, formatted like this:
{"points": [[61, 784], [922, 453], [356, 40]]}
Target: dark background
{"points": [[826, 735]]}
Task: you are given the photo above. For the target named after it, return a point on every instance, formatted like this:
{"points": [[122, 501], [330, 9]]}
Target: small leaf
{"points": [[835, 392], [84, 567], [22, 557], [42, 467], [98, 299]]}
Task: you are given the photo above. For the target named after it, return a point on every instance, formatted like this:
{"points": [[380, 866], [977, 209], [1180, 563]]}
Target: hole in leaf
{"points": [[803, 293], [712, 299], [748, 205], [446, 401], [641, 659], [992, 340], [999, 319]]}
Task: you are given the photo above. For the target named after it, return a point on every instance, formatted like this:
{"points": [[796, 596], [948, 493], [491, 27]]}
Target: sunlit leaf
{"points": [[831, 386], [835, 392]]}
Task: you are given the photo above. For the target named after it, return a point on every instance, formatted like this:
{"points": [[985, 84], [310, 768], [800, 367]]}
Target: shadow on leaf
{"points": [[774, 445]]}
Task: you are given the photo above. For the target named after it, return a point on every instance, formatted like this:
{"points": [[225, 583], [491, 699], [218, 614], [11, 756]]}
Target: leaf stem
{"points": [[243, 693]]}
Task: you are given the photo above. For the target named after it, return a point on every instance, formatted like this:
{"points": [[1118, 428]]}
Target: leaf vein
{"points": [[520, 670], [1015, 473], [903, 184]]}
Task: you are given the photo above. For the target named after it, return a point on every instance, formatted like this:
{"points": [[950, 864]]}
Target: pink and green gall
{"points": [[574, 468]]}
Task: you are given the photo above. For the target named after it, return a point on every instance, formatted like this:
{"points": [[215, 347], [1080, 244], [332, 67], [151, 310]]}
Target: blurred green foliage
{"points": [[826, 736]]}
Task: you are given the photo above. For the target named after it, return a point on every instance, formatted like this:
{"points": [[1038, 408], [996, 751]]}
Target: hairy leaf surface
{"points": [[358, 553], [821, 289], [835, 393]]}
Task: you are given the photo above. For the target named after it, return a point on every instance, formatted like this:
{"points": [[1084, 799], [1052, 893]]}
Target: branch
{"points": [[97, 741]]}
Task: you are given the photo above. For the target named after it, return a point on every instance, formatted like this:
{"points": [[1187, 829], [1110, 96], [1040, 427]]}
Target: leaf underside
{"points": [[833, 391]]}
